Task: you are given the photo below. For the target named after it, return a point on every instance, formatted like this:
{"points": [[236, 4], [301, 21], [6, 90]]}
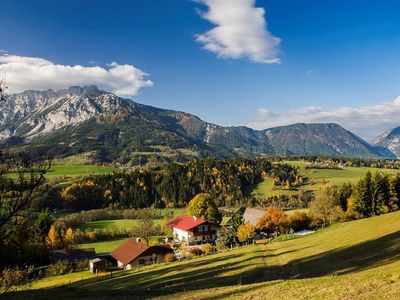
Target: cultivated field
{"points": [[115, 224], [353, 260], [74, 166]]}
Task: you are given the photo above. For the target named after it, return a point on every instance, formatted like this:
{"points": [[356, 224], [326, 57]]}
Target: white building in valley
{"points": [[193, 231]]}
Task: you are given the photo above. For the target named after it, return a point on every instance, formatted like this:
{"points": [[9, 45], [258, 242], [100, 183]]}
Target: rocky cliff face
{"points": [[390, 140]]}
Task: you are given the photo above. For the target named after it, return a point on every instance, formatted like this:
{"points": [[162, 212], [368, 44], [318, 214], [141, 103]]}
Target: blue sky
{"points": [[339, 61]]}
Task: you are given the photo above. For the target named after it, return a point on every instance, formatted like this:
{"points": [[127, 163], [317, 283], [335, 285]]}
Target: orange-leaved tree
{"points": [[273, 221]]}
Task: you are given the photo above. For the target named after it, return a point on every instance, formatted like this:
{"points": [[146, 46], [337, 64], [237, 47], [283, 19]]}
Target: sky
{"points": [[258, 63]]}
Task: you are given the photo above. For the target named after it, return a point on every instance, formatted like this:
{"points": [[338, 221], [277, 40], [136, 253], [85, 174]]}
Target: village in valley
{"points": [[199, 149]]}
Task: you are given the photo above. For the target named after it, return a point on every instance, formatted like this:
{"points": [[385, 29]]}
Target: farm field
{"points": [[331, 176], [354, 260], [74, 166], [115, 224], [104, 247]]}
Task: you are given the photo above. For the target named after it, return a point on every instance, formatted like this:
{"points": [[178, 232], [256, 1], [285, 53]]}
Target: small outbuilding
{"points": [[98, 265], [134, 253]]}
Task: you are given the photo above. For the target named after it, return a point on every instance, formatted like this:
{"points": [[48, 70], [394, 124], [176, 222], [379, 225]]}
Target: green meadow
{"points": [[353, 260], [121, 224], [104, 247], [332, 176]]}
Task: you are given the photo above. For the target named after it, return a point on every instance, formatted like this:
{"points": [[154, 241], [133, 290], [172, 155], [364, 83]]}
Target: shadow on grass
{"points": [[369, 254], [213, 272]]}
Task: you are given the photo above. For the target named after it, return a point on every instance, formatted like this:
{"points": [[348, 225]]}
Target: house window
{"points": [[209, 228], [142, 261]]}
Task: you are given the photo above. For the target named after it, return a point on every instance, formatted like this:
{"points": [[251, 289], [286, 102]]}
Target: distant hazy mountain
{"points": [[390, 140], [86, 119]]}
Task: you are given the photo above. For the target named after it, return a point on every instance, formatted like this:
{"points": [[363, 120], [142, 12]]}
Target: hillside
{"points": [[86, 119], [353, 260], [315, 139], [389, 140]]}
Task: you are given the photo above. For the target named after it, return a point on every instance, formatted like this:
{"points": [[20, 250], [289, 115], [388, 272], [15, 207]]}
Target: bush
{"points": [[207, 248], [195, 251], [220, 245], [59, 268], [81, 265], [12, 277], [299, 221], [169, 257]]}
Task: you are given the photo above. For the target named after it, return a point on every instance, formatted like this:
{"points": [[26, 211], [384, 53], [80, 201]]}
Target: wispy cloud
{"points": [[240, 31], [24, 73], [366, 121]]}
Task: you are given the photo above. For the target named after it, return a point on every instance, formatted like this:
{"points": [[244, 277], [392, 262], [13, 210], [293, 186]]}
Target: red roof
{"points": [[186, 223], [132, 249]]}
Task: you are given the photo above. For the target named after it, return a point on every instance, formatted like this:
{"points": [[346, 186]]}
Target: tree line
{"points": [[167, 186]]}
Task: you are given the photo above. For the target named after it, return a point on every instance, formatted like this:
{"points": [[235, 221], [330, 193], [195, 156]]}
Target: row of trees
{"points": [[169, 185], [374, 194]]}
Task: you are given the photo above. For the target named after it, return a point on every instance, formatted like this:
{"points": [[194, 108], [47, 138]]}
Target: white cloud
{"points": [[23, 73], [366, 121], [240, 31]]}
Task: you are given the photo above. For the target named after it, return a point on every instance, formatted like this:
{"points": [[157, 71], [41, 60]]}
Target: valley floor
{"points": [[353, 260]]}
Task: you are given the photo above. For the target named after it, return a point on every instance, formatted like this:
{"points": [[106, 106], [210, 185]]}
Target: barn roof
{"points": [[131, 249], [252, 215], [186, 223], [72, 255]]}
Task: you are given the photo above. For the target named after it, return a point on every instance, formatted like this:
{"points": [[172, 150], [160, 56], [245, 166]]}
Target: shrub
{"points": [[299, 221], [194, 251], [274, 221], [59, 268], [169, 257], [12, 277], [245, 232], [81, 265], [220, 245], [207, 248]]}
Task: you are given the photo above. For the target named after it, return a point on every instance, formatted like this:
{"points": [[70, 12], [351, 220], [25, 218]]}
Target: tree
{"points": [[324, 209], [69, 239], [273, 221], [145, 227], [363, 196], [380, 193], [299, 221], [203, 206], [20, 239], [53, 238], [395, 192], [246, 232], [17, 192]]}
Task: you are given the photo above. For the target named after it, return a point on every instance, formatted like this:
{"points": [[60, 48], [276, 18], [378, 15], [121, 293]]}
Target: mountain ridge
{"points": [[79, 119], [390, 140]]}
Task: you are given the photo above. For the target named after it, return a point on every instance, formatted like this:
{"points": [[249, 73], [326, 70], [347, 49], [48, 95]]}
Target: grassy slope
{"points": [[74, 166], [353, 260], [334, 177], [111, 224], [104, 247]]}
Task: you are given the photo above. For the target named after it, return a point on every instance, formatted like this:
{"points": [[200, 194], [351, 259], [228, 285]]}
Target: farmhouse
{"points": [[133, 253], [192, 231]]}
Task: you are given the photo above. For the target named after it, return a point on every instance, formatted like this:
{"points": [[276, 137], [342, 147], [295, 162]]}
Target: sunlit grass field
{"points": [[75, 166], [353, 260], [316, 176], [115, 224], [104, 247]]}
